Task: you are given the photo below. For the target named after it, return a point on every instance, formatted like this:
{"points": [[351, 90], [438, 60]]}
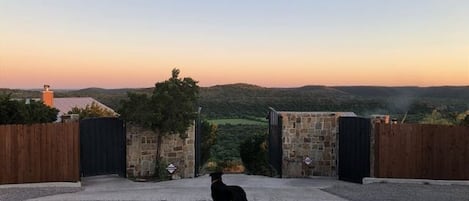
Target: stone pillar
{"points": [[142, 147], [312, 135]]}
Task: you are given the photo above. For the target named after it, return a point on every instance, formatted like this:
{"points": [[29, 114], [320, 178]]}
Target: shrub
{"points": [[253, 153]]}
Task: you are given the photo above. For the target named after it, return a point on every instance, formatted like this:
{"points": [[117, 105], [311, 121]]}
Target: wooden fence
{"points": [[39, 153], [421, 151]]}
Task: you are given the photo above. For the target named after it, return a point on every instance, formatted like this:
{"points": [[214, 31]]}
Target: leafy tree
{"points": [[38, 112], [169, 110], [463, 118], [438, 117], [18, 112], [10, 112], [93, 110], [209, 138], [465, 121], [173, 103], [226, 150], [135, 109], [253, 152]]}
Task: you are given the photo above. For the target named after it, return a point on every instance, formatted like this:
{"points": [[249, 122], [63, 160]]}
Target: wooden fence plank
{"points": [[43, 156], [36, 153], [437, 163], [13, 176], [422, 151], [419, 150], [56, 153], [59, 148], [375, 160], [75, 173], [386, 160], [464, 142], [454, 146], [4, 149], [412, 147], [39, 153], [407, 162], [21, 153]]}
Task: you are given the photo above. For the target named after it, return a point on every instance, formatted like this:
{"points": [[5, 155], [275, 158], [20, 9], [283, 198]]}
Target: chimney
{"points": [[48, 96]]}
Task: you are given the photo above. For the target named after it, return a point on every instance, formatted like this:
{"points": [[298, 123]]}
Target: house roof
{"points": [[65, 105]]}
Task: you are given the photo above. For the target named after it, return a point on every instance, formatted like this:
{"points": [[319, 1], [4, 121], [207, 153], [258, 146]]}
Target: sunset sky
{"points": [[118, 44]]}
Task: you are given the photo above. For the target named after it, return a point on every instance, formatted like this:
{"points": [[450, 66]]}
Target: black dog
{"points": [[222, 192]]}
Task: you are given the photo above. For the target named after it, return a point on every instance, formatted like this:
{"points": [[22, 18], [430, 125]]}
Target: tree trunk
{"points": [[158, 156]]}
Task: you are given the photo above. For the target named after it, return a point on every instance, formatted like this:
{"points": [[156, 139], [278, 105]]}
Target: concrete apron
{"points": [[43, 185], [370, 180], [256, 187]]}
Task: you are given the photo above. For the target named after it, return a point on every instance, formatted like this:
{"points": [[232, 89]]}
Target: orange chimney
{"points": [[48, 96]]}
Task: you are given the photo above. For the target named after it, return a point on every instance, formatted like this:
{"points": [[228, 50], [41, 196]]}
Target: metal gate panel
{"points": [[354, 148], [275, 142], [102, 147]]}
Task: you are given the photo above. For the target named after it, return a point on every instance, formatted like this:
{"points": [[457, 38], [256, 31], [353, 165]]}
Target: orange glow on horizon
{"points": [[73, 52]]}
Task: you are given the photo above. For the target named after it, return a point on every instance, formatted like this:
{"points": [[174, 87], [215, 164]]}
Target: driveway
{"points": [[399, 192], [198, 189]]}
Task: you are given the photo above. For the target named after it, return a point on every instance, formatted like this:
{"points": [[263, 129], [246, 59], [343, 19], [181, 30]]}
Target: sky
{"points": [[119, 44]]}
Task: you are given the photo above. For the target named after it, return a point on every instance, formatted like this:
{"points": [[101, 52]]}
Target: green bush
{"points": [[228, 140], [18, 112], [161, 174], [253, 153]]}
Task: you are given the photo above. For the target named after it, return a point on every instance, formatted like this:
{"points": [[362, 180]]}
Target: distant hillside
{"points": [[248, 100], [245, 100], [18, 93], [240, 100], [425, 92]]}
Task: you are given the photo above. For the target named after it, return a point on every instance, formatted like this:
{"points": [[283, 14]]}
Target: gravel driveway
{"points": [[18, 194], [398, 192], [258, 188]]}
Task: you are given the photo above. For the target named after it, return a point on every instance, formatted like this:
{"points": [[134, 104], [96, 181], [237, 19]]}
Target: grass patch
{"points": [[237, 122]]}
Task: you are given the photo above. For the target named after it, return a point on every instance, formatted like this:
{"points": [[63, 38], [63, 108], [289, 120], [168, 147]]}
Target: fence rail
{"points": [[39, 153], [422, 151]]}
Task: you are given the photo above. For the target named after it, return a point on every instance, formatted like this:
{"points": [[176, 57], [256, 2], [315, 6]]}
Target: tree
{"points": [[465, 121], [136, 110], [93, 110], [463, 118], [9, 110], [18, 112], [253, 152], [209, 137], [169, 110], [38, 112], [173, 103], [439, 117]]}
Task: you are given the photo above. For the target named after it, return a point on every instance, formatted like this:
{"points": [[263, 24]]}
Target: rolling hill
{"points": [[245, 100]]}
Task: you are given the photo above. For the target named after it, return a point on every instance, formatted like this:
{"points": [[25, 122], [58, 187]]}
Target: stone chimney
{"points": [[48, 96]]}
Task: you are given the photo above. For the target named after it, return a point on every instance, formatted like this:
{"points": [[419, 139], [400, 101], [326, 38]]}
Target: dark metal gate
{"points": [[354, 148], [275, 141], [198, 145], [102, 147]]}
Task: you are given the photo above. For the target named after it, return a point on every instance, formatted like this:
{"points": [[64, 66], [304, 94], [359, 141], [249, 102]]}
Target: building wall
{"points": [[313, 135], [141, 152]]}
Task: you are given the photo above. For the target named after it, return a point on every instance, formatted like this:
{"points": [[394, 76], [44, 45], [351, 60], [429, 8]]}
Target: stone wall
{"points": [[313, 135], [141, 152]]}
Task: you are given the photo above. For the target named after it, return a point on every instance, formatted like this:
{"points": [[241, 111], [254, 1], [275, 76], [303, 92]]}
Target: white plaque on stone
{"points": [[308, 160], [171, 168]]}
